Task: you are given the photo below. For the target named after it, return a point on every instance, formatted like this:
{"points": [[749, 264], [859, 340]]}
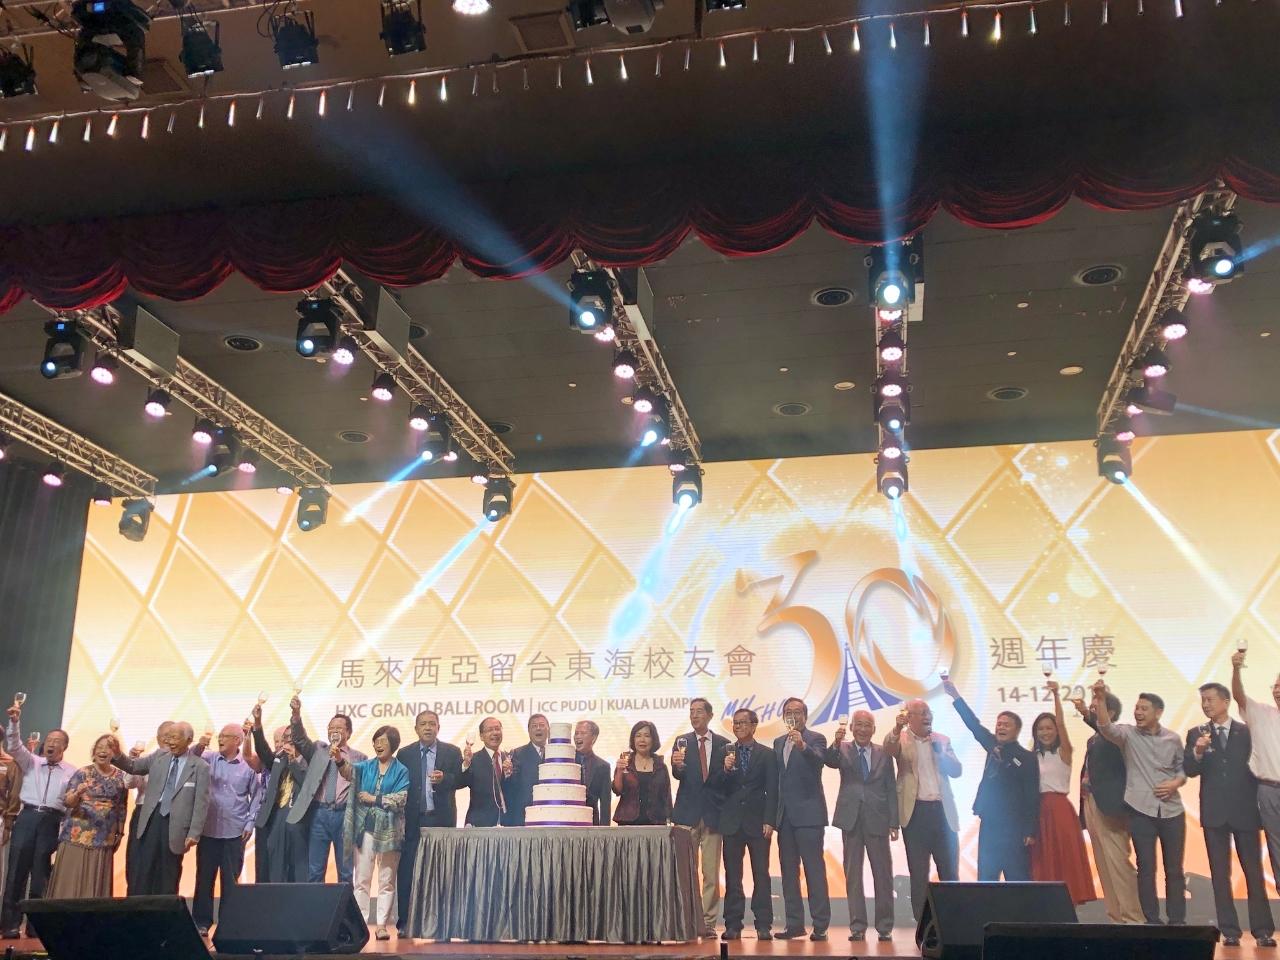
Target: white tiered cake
{"points": [[559, 796]]}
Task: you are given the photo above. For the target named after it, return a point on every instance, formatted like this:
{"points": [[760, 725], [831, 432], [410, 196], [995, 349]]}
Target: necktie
{"points": [[428, 767], [1222, 737], [702, 756], [862, 763], [170, 784], [284, 794], [786, 752], [497, 790], [48, 775], [744, 758], [331, 782]]}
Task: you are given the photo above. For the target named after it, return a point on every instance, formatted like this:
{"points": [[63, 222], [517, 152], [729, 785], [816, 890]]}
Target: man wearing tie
{"points": [[697, 805], [867, 815], [748, 778], [35, 832], [280, 851], [485, 774], [926, 808], [595, 772], [173, 811], [139, 784], [524, 763], [802, 821], [323, 794], [434, 769], [1218, 753]]}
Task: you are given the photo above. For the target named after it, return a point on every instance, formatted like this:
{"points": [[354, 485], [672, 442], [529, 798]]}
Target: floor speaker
{"points": [[132, 928], [1097, 941], [955, 915], [283, 918]]}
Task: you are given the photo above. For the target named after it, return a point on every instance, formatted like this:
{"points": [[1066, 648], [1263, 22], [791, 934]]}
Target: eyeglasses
{"points": [[743, 723]]}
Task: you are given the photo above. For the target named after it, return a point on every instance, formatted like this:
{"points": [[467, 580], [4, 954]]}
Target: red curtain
{"points": [[738, 206]]}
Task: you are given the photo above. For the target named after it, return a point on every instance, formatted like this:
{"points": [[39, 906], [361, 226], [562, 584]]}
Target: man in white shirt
{"points": [[35, 833], [1263, 720]]}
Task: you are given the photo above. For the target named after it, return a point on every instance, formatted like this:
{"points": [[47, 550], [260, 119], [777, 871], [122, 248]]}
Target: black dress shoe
{"points": [[857, 936], [1265, 941], [790, 934], [731, 935], [886, 937], [818, 935], [1231, 941], [11, 934], [764, 934]]}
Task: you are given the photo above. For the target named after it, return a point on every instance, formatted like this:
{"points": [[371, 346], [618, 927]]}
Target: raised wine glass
{"points": [[19, 699]]}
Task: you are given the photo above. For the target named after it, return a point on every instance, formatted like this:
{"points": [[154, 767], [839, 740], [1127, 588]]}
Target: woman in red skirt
{"points": [[1059, 852]]}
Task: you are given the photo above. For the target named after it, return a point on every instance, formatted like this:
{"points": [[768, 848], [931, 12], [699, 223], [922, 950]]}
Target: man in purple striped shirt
{"points": [[234, 797]]}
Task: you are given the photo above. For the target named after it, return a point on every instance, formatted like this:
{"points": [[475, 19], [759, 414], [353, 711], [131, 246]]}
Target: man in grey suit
{"points": [[173, 811], [867, 815], [323, 794]]}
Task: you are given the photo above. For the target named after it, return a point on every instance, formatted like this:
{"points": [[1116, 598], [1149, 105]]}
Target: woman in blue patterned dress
{"points": [[91, 831]]}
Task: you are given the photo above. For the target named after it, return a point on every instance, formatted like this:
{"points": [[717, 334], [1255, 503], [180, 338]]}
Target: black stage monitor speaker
{"points": [[955, 915], [282, 918], [136, 928], [1097, 941]]}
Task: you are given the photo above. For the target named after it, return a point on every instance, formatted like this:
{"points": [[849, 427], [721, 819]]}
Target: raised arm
{"points": [[986, 739], [303, 743], [1237, 681], [1059, 717], [1112, 731], [13, 741]]}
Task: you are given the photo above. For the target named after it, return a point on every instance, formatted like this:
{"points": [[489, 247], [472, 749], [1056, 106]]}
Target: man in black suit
{"points": [[748, 778], [802, 821], [434, 770], [524, 763], [595, 772], [697, 806], [1218, 752], [486, 774], [1008, 798], [280, 848]]}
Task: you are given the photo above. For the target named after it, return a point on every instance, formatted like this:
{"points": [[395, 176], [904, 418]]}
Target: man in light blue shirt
{"points": [[234, 797]]}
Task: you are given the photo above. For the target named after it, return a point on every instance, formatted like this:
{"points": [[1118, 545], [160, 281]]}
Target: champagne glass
{"points": [[139, 745], [37, 736], [682, 743], [1242, 646], [842, 721], [790, 722], [944, 674], [19, 699], [1046, 667], [262, 697], [1206, 729], [114, 726], [1103, 666]]}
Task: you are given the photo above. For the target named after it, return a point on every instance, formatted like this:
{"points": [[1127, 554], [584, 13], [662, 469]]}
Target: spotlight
{"points": [[686, 487], [104, 369], [313, 508], [419, 418], [101, 495], [891, 386], [1172, 325], [1124, 431], [201, 54], [480, 478], [55, 474], [1154, 363], [318, 327], [498, 496], [624, 364], [628, 16], [891, 476], [1197, 286], [1114, 460], [726, 5], [891, 449], [471, 8], [437, 440], [654, 432], [293, 37], [606, 334], [157, 404], [886, 315], [1148, 399], [284, 489], [110, 47], [892, 348], [63, 350], [135, 518], [891, 275], [247, 462], [344, 354], [202, 432], [224, 452], [402, 29], [17, 73], [1214, 246], [590, 299], [893, 415], [644, 400], [384, 388], [5, 441]]}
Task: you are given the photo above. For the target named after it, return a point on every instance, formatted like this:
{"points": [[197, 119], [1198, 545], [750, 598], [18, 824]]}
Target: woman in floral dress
{"points": [[91, 830]]}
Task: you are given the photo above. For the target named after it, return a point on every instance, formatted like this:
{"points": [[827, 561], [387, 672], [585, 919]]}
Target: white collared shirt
{"points": [[928, 785], [1264, 727], [43, 784]]}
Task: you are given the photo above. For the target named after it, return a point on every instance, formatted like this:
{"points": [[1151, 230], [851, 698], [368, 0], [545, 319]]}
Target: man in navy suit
{"points": [[748, 778], [1218, 753], [802, 821], [595, 771], [697, 805], [434, 770], [485, 773], [525, 762]]}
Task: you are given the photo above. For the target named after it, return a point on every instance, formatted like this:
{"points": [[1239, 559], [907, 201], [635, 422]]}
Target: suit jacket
{"points": [[750, 796], [449, 763], [800, 797], [696, 802], [10, 790], [478, 778], [1009, 794], [948, 765], [870, 804], [316, 753], [519, 786], [1104, 765], [278, 766], [657, 794], [1228, 789], [597, 777], [190, 802]]}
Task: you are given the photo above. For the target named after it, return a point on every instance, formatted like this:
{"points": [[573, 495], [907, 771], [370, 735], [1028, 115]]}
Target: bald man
{"points": [[867, 815], [139, 783], [234, 798]]}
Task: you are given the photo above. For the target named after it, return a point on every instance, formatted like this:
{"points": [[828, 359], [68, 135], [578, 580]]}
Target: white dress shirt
{"points": [[43, 783], [1264, 726], [927, 785]]}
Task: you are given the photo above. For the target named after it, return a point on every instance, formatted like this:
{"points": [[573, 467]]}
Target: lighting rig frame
{"points": [[58, 443], [1166, 290], [890, 323]]}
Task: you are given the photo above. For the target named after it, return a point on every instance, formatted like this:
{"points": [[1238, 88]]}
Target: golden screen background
{"points": [[784, 561]]}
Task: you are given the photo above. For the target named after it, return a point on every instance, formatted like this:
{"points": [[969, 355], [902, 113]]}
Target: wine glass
{"points": [[262, 697], [682, 743], [944, 674], [1046, 667], [19, 699], [1103, 666], [113, 725], [1242, 646], [139, 745], [36, 735]]}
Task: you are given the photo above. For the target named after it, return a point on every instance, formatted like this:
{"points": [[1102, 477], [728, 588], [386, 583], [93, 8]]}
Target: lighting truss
{"points": [[632, 333], [58, 443], [1166, 290], [210, 399], [421, 382]]}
